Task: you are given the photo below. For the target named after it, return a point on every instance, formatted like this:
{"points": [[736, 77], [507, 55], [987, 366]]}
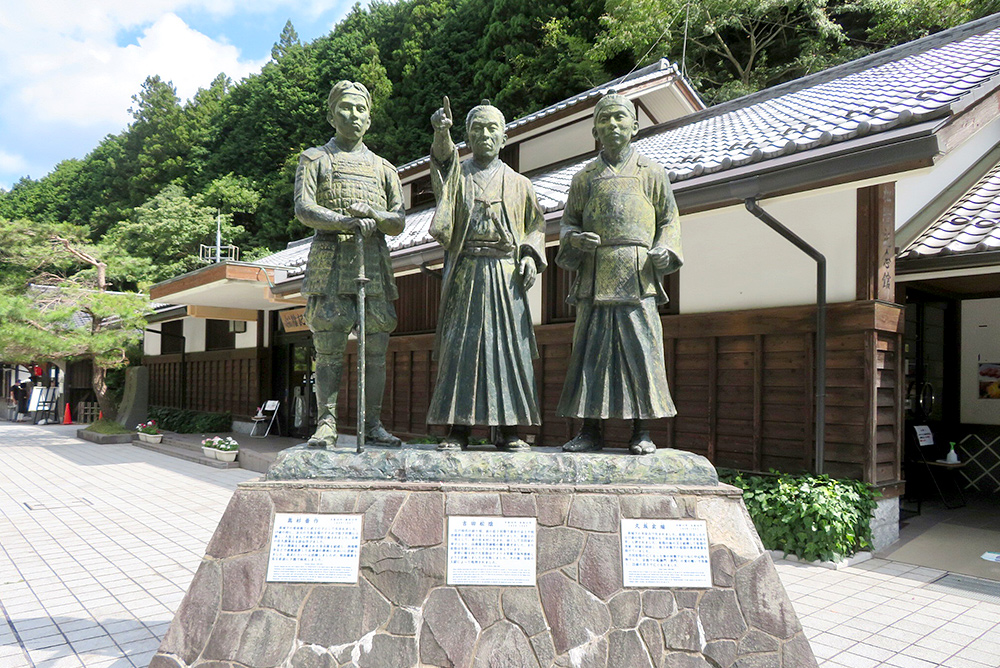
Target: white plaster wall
{"points": [[151, 342], [916, 191], [733, 261], [564, 143], [980, 344], [248, 339], [535, 301], [194, 335]]}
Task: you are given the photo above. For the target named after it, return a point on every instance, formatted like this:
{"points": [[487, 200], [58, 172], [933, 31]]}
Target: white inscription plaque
{"points": [[491, 551], [310, 547], [665, 553]]}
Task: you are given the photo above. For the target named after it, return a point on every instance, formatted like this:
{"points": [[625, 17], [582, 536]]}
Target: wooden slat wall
{"points": [[742, 382], [225, 381]]}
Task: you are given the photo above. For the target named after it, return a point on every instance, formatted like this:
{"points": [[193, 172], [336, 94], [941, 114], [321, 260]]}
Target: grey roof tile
{"points": [[971, 224]]}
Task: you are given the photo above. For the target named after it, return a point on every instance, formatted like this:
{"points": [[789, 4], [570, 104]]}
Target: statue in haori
{"points": [[493, 232]]}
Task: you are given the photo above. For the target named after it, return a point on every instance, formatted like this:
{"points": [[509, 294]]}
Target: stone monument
{"points": [[621, 235], [353, 199], [493, 232], [537, 558]]}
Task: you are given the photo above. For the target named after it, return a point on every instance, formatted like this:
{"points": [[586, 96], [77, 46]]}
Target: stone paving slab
{"points": [[93, 576]]}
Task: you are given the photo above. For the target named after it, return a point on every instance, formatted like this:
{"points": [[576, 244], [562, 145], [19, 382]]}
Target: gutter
{"points": [[801, 244]]}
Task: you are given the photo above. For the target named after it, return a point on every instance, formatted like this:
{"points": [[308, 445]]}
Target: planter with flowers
{"points": [[148, 432], [223, 448]]}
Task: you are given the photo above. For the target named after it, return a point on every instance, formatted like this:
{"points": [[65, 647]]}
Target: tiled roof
{"points": [[632, 80], [900, 87], [972, 224], [296, 254], [288, 256]]}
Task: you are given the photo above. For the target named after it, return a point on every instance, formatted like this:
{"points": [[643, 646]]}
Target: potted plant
{"points": [[149, 432], [224, 448], [207, 447]]}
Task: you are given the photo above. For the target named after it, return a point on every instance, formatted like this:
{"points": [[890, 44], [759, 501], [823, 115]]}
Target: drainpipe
{"points": [[767, 219]]}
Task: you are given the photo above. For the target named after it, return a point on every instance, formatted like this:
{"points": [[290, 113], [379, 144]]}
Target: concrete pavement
{"points": [[98, 544]]}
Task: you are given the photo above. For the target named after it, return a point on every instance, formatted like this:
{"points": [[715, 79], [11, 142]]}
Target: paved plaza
{"points": [[98, 544]]}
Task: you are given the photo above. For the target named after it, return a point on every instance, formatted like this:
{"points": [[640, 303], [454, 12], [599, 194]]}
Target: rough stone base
{"points": [[885, 523], [402, 613]]}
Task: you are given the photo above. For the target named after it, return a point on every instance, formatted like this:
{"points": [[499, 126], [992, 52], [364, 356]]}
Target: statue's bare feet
{"points": [[509, 441], [641, 443], [457, 438]]}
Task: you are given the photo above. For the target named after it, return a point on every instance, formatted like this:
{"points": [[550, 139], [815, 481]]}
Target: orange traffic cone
{"points": [[67, 416], [100, 415]]}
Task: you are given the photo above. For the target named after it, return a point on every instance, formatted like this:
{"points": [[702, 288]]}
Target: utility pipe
{"points": [[770, 221]]}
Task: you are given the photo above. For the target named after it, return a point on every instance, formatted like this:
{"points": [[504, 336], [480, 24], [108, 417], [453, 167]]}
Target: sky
{"points": [[69, 68]]}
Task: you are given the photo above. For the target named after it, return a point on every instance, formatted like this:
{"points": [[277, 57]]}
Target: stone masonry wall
{"points": [[402, 613]]}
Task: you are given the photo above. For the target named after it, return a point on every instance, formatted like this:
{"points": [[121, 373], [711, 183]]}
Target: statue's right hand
{"points": [[366, 226], [442, 118], [585, 241]]}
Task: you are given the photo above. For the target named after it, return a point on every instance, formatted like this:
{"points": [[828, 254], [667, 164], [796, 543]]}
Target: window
{"points": [[421, 192], [556, 283], [219, 335], [171, 341]]}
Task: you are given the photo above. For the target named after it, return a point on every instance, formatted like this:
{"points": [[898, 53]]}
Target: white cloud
{"points": [[90, 81], [12, 163], [69, 69]]}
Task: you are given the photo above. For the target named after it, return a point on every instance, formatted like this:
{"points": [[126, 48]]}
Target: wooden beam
{"points": [[222, 313], [876, 242]]}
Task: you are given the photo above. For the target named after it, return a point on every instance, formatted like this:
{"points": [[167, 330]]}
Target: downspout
{"points": [[770, 221]]}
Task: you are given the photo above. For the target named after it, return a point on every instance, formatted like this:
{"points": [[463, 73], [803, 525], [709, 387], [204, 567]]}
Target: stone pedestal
{"points": [[401, 613]]}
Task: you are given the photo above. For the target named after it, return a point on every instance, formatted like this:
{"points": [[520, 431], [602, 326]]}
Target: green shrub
{"points": [[812, 517], [185, 421]]}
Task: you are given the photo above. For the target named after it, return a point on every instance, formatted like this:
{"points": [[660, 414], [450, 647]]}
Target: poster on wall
{"points": [[989, 380]]}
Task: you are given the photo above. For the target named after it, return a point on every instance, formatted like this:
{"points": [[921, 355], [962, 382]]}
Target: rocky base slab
{"points": [[402, 614], [546, 466]]}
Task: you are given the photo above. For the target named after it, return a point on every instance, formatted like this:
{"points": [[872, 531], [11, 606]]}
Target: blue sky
{"points": [[69, 68]]}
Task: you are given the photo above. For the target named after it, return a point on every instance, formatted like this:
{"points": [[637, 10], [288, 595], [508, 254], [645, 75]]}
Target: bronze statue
{"points": [[493, 232], [620, 233], [343, 190]]}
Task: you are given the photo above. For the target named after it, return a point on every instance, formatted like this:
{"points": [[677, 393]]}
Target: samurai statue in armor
{"points": [[620, 233], [493, 232], [343, 189]]}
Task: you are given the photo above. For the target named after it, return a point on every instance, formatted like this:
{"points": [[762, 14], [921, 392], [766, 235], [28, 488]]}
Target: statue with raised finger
{"points": [[343, 191], [620, 233], [493, 232]]}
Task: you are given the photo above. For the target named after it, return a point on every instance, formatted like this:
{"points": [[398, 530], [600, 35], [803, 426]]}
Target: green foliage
{"points": [[813, 517], [52, 305], [107, 426], [164, 235], [184, 421], [734, 47], [234, 146]]}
